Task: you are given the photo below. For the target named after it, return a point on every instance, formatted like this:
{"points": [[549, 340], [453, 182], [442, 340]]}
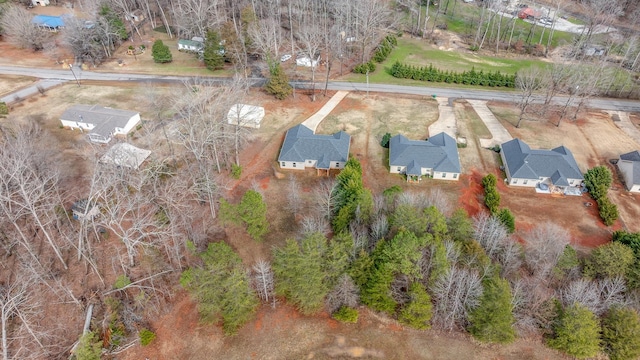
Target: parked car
{"points": [[285, 57]]}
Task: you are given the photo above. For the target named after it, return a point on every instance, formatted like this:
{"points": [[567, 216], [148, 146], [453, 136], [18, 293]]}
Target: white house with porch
{"points": [[102, 123], [436, 157], [552, 170], [303, 149]]}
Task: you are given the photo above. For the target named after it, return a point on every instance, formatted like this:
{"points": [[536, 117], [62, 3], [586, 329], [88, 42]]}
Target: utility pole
{"points": [[74, 74]]}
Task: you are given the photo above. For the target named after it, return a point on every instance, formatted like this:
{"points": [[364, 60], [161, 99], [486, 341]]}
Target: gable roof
{"points": [[52, 22], [439, 152], [104, 119], [301, 144], [634, 157], [557, 164]]}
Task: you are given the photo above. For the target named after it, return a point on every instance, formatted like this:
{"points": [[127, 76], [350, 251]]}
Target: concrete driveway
{"points": [[446, 122], [315, 119], [498, 132], [624, 123]]}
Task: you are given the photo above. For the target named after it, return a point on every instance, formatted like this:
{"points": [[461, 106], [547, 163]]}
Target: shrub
{"points": [[4, 109], [363, 68], [598, 180], [608, 211], [385, 140], [146, 337], [492, 199], [236, 171], [122, 281], [489, 181], [278, 83], [346, 314], [507, 219]]}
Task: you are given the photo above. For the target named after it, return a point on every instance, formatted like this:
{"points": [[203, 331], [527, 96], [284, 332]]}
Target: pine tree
{"points": [[222, 288], [299, 272], [621, 334], [89, 347], [253, 212], [417, 313], [492, 320], [278, 83], [577, 332], [213, 53], [376, 293], [161, 53]]}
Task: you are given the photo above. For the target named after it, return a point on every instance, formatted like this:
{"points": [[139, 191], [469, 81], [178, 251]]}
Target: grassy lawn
{"points": [[418, 52]]}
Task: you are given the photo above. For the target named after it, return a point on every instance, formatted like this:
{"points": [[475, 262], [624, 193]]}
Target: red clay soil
{"points": [[471, 192]]}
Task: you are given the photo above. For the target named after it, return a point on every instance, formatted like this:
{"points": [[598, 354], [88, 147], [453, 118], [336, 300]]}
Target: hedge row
{"points": [[598, 180], [471, 77], [492, 200], [382, 51]]}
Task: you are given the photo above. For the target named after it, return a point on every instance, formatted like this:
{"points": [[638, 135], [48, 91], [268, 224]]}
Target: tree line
{"points": [[417, 259]]}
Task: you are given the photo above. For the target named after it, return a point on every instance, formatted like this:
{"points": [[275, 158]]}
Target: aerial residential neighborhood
{"points": [[330, 179]]}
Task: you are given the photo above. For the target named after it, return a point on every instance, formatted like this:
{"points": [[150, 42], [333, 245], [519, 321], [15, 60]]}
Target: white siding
{"points": [[133, 121], [521, 182], [635, 188], [626, 168], [437, 175], [77, 125]]}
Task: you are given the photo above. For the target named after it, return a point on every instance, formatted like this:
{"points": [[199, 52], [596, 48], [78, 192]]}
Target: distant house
{"points": [[307, 61], [245, 115], [84, 210], [135, 16], [125, 155], [190, 45], [51, 23], [436, 157], [303, 149], [529, 13], [39, 2], [552, 170], [629, 166], [101, 122]]}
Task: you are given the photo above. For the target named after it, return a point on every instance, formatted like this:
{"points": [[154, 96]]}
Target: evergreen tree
{"points": [[161, 53], [577, 332], [253, 212], [376, 293], [621, 334], [352, 199], [610, 260], [299, 271], [89, 347], [459, 226], [361, 268], [417, 313], [492, 320], [278, 83], [507, 219], [222, 288], [213, 52], [337, 257]]}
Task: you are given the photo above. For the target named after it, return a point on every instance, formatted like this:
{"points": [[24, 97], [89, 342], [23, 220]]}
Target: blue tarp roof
{"points": [[48, 21]]}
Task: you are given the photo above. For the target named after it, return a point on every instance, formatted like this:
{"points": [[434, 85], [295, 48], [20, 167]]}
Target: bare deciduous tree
{"points": [[324, 198], [455, 295], [21, 31], [544, 245], [345, 293], [597, 295], [527, 83], [263, 281]]}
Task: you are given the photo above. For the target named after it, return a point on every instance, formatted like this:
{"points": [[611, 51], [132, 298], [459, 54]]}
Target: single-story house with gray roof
{"points": [[101, 122], [555, 169], [629, 166], [303, 149], [436, 157]]}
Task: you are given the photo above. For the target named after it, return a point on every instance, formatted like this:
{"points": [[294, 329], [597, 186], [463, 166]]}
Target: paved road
{"points": [[510, 96]]}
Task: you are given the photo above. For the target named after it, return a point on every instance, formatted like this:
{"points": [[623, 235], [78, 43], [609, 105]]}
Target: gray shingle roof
{"points": [[525, 163], [439, 152], [301, 144], [634, 157], [104, 119]]}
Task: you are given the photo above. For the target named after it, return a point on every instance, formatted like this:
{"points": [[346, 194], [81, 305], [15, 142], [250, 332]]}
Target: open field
{"points": [[9, 84]]}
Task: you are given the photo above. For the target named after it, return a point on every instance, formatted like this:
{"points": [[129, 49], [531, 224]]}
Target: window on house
{"points": [[444, 175], [294, 164], [337, 164], [399, 168], [515, 181], [283, 164], [455, 176], [525, 182], [309, 161]]}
